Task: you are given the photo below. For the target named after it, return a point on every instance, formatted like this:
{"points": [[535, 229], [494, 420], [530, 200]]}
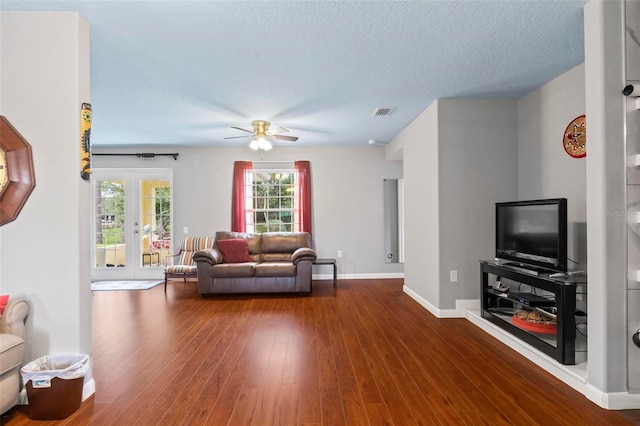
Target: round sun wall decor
{"points": [[574, 140]]}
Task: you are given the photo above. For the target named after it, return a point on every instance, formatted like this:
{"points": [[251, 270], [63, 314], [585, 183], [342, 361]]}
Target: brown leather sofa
{"points": [[280, 262]]}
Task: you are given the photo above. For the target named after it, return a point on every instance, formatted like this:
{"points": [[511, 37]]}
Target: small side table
{"points": [[335, 268], [150, 255]]}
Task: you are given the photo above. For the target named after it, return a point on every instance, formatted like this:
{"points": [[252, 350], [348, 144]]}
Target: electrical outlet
{"points": [[339, 253], [185, 230], [453, 276]]}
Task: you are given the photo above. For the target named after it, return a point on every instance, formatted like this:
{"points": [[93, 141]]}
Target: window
{"points": [[269, 201], [275, 199]]}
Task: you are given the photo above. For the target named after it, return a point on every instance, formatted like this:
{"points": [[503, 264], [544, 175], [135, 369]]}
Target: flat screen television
{"points": [[533, 233]]}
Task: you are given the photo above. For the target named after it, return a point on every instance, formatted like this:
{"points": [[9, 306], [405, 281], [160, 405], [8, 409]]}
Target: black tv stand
{"points": [[553, 300], [517, 267], [523, 267]]}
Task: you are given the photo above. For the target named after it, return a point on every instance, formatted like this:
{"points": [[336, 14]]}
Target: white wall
{"points": [[346, 196], [606, 199], [44, 253], [460, 157], [419, 142], [545, 170], [632, 54], [478, 167]]}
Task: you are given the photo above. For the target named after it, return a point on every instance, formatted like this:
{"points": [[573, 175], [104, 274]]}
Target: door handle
{"points": [[636, 338]]}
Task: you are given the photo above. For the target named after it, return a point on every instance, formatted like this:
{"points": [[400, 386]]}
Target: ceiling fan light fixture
{"points": [[260, 143], [261, 136], [264, 144]]}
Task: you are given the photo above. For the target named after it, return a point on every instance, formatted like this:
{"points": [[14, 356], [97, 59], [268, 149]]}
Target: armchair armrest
{"points": [[210, 256], [14, 317], [166, 257], [303, 253]]}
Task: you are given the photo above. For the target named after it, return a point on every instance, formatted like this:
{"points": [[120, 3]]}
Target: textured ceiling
{"points": [[183, 72]]}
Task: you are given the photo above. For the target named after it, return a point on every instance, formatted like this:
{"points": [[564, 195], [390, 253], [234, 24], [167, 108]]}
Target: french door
{"points": [[131, 223]]}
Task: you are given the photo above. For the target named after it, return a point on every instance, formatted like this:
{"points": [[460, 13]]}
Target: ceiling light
{"points": [[264, 144], [260, 143]]}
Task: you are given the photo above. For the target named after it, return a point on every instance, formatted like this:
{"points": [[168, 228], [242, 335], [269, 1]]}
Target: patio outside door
{"points": [[132, 217]]}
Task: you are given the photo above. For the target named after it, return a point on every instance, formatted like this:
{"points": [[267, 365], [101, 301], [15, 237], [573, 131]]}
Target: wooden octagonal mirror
{"points": [[17, 177]]}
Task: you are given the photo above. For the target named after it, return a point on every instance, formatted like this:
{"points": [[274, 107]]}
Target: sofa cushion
{"points": [[228, 270], [275, 269], [181, 269], [253, 240], [234, 250], [284, 242], [276, 257], [11, 352]]}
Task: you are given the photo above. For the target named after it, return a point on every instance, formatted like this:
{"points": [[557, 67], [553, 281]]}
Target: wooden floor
{"points": [[366, 354]]}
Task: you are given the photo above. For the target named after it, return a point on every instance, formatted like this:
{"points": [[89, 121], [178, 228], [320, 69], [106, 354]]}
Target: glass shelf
{"points": [[537, 309]]}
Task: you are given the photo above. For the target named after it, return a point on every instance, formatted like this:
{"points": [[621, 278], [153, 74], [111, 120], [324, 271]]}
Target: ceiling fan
{"points": [[261, 135]]}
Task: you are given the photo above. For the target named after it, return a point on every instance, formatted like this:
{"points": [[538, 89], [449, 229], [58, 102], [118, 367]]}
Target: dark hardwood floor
{"points": [[366, 354]]}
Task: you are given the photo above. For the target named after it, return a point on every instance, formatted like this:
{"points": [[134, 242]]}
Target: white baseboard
{"points": [[465, 305], [358, 276], [459, 312], [425, 304], [613, 400], [22, 397], [88, 389], [573, 375]]}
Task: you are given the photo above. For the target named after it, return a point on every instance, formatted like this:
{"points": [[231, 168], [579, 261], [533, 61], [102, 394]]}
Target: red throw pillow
{"points": [[234, 250], [3, 302]]}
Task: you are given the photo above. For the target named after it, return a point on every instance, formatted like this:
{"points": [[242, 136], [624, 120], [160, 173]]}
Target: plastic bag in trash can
{"points": [[43, 369]]}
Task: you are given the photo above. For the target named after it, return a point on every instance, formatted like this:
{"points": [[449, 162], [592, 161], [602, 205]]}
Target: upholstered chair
{"points": [[185, 267], [12, 335]]}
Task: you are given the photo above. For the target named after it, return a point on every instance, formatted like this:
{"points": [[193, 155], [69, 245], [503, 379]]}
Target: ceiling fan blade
{"points": [[278, 130], [240, 128], [285, 138], [238, 137]]}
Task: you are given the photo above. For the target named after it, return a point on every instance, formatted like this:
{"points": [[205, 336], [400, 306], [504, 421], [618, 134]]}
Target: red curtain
{"points": [[238, 217], [302, 170]]}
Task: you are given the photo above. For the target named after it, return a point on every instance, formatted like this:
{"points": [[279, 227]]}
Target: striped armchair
{"points": [[186, 267]]}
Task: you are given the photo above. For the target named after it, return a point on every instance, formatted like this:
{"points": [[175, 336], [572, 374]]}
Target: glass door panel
{"points": [[110, 223], [155, 215], [132, 216]]}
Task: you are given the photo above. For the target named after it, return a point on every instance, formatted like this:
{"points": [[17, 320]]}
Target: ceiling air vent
{"points": [[382, 111]]}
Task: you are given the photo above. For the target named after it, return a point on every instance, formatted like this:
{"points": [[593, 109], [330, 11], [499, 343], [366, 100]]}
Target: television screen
{"points": [[533, 232]]}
